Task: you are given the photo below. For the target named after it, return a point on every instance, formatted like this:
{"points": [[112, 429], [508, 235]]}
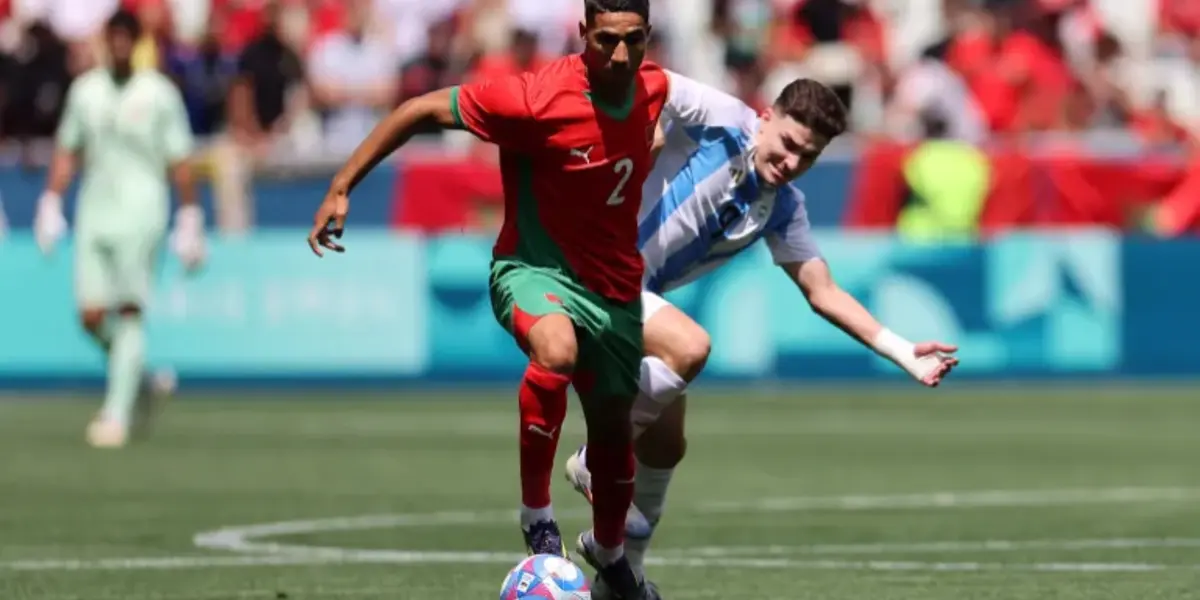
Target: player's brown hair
{"points": [[126, 22], [813, 105]]}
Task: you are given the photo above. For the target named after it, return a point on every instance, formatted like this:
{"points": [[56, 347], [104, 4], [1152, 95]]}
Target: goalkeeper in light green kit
{"points": [[129, 129]]}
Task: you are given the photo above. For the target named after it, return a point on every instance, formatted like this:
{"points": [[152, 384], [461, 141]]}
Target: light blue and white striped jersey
{"points": [[703, 201]]}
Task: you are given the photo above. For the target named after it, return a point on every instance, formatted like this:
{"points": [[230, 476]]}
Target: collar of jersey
{"points": [[750, 173]]}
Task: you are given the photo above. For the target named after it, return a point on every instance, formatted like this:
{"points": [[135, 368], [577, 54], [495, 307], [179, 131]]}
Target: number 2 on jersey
{"points": [[624, 167]]}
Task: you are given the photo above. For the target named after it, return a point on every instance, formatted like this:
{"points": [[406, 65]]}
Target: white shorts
{"points": [[652, 303]]}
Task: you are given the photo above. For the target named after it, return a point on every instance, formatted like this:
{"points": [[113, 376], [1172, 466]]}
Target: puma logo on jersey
{"points": [[584, 153]]}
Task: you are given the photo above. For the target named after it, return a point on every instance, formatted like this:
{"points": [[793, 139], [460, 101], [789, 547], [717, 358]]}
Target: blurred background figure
{"points": [[125, 130], [352, 76], [279, 90], [36, 77], [263, 102]]}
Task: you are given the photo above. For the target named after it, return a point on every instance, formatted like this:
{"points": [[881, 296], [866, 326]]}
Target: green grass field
{"points": [[952, 495]]}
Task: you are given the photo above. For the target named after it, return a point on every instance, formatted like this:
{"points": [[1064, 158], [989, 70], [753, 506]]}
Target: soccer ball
{"points": [[547, 577]]}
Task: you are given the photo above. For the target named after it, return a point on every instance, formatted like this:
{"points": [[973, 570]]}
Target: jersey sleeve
{"points": [[497, 111], [692, 104], [177, 129], [792, 241], [70, 133]]}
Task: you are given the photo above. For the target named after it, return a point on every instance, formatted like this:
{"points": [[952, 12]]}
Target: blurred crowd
{"points": [[322, 71], [270, 81]]}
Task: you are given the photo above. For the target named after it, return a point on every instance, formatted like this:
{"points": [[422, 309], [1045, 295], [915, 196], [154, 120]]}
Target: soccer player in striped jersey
{"points": [[722, 182]]}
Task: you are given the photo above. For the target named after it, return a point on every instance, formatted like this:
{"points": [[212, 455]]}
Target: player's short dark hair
{"points": [[813, 105], [591, 8], [126, 22]]}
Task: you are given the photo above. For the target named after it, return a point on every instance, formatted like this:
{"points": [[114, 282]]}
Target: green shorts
{"points": [[609, 333], [111, 271]]}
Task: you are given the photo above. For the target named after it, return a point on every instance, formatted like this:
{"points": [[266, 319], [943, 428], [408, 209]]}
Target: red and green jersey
{"points": [[573, 169]]}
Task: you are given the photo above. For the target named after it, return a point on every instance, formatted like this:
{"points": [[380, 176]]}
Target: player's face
{"points": [[785, 148], [616, 45], [120, 46]]}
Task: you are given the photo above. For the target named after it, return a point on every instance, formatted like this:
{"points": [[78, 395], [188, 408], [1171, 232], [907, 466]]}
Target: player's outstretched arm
{"points": [[434, 108], [393, 131], [927, 362]]}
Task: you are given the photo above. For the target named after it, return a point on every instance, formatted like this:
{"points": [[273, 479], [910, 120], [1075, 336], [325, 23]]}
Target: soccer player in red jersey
{"points": [[575, 140]]}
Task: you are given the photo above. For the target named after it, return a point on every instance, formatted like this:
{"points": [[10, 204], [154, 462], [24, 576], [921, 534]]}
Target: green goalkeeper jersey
{"points": [[127, 135]]}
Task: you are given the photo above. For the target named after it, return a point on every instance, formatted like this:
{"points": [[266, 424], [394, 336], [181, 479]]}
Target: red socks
{"points": [[543, 401], [613, 469]]}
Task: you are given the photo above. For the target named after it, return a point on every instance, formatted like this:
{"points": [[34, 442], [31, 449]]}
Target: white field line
{"points": [[319, 592], [959, 547], [421, 558], [251, 540], [973, 499]]}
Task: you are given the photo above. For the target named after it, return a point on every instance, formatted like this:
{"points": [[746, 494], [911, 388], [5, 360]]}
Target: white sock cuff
{"points": [[651, 473], [659, 382]]}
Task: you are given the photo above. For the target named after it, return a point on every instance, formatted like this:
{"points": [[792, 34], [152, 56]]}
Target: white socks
{"points": [[529, 516], [126, 359], [649, 496], [659, 386]]}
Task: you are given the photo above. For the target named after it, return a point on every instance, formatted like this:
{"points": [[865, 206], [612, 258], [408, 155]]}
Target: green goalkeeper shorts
{"points": [[112, 271], [609, 334]]}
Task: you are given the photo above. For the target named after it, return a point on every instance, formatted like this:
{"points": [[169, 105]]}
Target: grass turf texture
{"points": [[809, 493]]}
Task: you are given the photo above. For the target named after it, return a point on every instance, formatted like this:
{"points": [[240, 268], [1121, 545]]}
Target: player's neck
{"points": [[609, 94], [120, 75]]}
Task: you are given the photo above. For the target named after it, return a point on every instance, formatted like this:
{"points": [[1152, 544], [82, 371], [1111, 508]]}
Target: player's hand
{"points": [[49, 224], [935, 360], [187, 240], [329, 223]]}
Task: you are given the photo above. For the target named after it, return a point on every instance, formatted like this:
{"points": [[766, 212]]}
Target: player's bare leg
{"points": [[123, 340], [553, 351]]}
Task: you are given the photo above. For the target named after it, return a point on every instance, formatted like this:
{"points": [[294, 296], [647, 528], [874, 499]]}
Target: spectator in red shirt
{"points": [[1033, 60], [1020, 76], [974, 52]]}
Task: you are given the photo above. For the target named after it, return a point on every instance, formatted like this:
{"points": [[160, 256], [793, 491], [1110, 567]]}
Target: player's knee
{"points": [[92, 319], [552, 344], [691, 355]]}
